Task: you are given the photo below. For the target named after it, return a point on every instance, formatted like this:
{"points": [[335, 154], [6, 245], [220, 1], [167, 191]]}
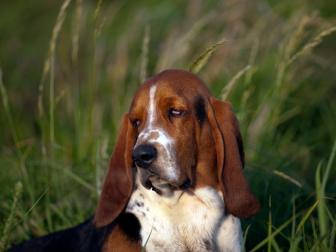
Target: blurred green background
{"points": [[70, 68]]}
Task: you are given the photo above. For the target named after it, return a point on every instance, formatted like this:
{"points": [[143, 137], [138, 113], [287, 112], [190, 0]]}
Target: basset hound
{"points": [[175, 180]]}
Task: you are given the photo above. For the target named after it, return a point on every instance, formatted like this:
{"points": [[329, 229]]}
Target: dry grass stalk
{"points": [[204, 57], [76, 33], [52, 45], [312, 44], [288, 178], [144, 55], [229, 87], [7, 109], [176, 49]]}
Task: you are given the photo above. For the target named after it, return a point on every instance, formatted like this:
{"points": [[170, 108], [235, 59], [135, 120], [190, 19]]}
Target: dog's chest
{"points": [[185, 222]]}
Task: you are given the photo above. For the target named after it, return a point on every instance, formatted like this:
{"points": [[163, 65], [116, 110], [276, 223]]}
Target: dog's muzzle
{"points": [[144, 157]]}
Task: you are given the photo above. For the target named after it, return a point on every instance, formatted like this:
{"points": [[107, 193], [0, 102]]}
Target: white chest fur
{"points": [[185, 222]]}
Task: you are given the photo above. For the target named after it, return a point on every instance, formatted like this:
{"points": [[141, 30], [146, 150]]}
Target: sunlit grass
{"points": [[277, 70]]}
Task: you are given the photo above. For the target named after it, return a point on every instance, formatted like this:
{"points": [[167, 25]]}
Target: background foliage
{"points": [[69, 70]]}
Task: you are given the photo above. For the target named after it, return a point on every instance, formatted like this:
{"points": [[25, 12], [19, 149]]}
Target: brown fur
{"points": [[238, 198], [119, 242], [118, 183]]}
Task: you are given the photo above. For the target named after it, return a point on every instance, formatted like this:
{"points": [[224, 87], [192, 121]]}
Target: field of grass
{"points": [[70, 68]]}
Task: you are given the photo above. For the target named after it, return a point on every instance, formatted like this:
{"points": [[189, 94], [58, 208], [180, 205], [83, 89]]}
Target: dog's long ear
{"points": [[238, 198], [118, 183]]}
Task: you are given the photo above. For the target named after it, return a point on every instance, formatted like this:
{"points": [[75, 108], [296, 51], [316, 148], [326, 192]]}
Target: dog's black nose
{"points": [[144, 155]]}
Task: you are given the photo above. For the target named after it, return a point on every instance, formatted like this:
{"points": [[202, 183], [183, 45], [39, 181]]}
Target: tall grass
{"points": [[275, 63], [10, 220]]}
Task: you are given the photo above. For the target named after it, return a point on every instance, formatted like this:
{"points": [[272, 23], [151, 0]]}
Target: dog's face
{"points": [[176, 136], [167, 114]]}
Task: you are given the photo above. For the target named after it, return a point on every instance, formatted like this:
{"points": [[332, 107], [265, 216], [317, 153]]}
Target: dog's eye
{"points": [[175, 112], [136, 123]]}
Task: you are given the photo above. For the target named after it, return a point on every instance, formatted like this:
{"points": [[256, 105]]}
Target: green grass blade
{"points": [[246, 234], [275, 246], [269, 244], [329, 165], [321, 210], [274, 233], [293, 239], [306, 216], [7, 108], [332, 238], [269, 238]]}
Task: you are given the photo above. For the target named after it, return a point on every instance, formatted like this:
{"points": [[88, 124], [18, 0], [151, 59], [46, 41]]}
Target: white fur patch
{"points": [[185, 222], [151, 110]]}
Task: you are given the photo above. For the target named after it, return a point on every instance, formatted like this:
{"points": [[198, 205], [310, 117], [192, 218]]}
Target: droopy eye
{"points": [[175, 112], [136, 123]]}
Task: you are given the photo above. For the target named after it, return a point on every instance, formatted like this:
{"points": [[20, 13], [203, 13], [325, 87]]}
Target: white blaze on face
{"points": [[154, 134], [151, 110]]}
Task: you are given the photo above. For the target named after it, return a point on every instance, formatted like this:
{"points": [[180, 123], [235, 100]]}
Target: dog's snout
{"points": [[144, 155]]}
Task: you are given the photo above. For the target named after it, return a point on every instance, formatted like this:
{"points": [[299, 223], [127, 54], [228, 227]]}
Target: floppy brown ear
{"points": [[118, 183], [238, 197]]}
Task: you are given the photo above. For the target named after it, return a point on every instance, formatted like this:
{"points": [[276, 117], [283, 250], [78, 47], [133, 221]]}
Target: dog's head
{"points": [[176, 136]]}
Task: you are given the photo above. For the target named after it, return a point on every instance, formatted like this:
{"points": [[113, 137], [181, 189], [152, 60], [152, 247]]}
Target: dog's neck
{"points": [[185, 221]]}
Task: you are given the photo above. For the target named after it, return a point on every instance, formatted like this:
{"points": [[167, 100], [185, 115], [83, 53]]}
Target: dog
{"points": [[175, 180]]}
